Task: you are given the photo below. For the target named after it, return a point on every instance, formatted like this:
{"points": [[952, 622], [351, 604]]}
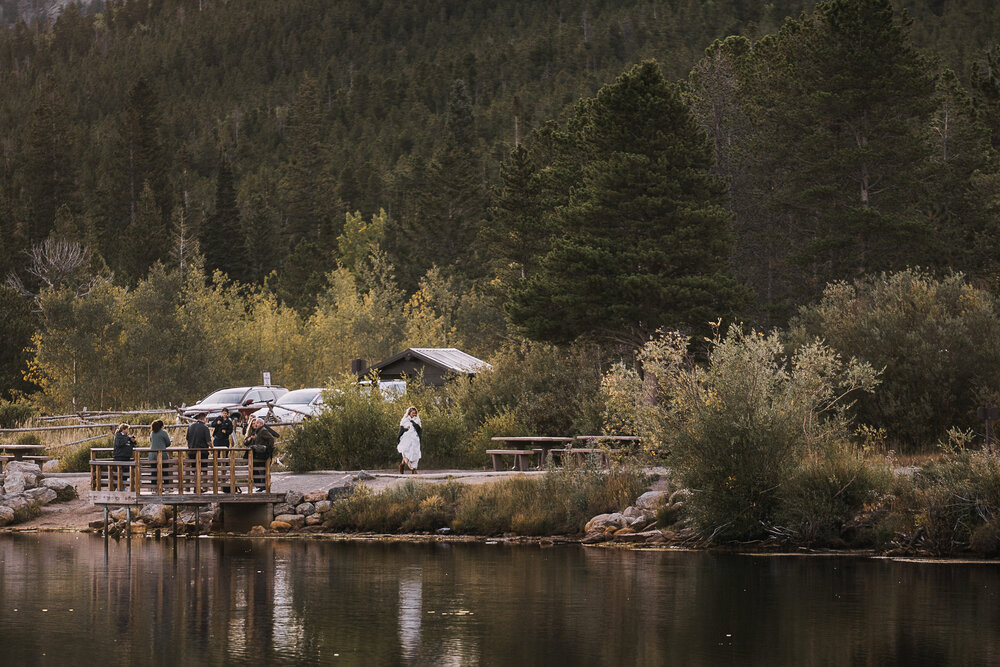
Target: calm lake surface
{"points": [[75, 599]]}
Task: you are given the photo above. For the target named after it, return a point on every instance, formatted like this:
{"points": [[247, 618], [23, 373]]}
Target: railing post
{"points": [[180, 472], [159, 474], [267, 475], [215, 469]]}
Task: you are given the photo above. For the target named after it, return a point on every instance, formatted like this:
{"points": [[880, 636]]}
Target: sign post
{"points": [[267, 378]]}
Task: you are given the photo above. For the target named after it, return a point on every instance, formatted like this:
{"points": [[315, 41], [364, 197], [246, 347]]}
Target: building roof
{"points": [[449, 358]]}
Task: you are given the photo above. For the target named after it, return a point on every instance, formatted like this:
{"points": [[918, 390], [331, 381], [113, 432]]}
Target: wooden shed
{"points": [[436, 363]]}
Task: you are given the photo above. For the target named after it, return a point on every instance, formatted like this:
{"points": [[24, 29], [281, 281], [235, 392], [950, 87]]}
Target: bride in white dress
{"points": [[409, 440]]}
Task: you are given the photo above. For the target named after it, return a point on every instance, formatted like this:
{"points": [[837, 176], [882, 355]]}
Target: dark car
{"points": [[245, 400]]}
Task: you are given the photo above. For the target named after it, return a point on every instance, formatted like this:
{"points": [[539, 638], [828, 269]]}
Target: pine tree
{"points": [[645, 238], [48, 174], [451, 203], [223, 237], [308, 185], [839, 160]]}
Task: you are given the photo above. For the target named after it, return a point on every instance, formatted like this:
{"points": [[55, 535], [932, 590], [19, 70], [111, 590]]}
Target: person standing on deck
{"points": [[260, 444], [409, 440], [223, 428], [198, 436], [158, 440]]}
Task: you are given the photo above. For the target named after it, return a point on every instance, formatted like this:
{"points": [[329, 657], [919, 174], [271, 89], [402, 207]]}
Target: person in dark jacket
{"points": [[198, 436], [124, 444], [260, 444], [222, 428]]}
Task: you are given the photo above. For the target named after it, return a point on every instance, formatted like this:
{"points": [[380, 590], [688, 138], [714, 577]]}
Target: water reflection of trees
{"points": [[240, 601]]}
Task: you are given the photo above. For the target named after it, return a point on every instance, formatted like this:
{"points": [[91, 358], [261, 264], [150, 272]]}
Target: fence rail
{"points": [[180, 471]]}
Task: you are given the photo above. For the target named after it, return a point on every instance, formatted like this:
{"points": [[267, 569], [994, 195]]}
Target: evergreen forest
{"points": [[193, 191]]}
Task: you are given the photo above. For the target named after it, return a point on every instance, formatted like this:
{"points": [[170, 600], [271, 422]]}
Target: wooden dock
{"points": [[229, 476]]}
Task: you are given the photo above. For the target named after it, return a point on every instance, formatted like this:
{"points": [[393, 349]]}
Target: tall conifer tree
{"points": [[645, 236]]}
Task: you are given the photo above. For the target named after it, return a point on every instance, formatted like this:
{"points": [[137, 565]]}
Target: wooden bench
{"points": [[38, 459], [521, 457]]}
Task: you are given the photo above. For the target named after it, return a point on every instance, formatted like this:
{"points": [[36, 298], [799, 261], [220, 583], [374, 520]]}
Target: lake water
{"points": [[76, 599]]}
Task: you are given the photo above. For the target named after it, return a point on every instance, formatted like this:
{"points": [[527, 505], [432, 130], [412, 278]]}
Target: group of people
{"points": [[257, 438]]}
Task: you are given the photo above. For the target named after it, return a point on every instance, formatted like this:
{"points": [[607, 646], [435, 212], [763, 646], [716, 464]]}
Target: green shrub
{"points": [[546, 390], [78, 458], [938, 342], [14, 414], [829, 489], [957, 499], [743, 424], [357, 430]]}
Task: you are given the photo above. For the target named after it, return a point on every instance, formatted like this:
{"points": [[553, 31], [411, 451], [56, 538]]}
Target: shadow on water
{"points": [[242, 601]]}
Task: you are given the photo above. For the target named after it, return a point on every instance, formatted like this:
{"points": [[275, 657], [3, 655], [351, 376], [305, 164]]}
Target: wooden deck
{"points": [[180, 476]]}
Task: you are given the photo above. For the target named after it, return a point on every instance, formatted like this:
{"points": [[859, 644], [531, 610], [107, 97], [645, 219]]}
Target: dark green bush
{"points": [[77, 459], [957, 498], [937, 340], [15, 413], [742, 424], [826, 491], [357, 430]]}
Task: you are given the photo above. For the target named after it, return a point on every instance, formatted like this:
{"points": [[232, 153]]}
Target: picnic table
{"points": [[600, 446], [23, 452], [523, 447]]}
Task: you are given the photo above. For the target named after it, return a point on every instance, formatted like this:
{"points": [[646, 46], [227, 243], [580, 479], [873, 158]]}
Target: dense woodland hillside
{"points": [[276, 141]]}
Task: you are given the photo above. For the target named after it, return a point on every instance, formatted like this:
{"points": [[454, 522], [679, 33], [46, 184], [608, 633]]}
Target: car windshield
{"points": [[298, 397], [225, 396]]}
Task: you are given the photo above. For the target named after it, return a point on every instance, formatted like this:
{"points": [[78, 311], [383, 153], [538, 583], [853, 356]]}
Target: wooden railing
{"points": [[181, 471]]}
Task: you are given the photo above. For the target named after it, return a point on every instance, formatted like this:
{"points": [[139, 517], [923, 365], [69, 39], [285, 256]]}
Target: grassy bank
{"points": [[559, 503]]}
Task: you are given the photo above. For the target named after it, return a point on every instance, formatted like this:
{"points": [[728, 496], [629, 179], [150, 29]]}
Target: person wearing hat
{"points": [[222, 428], [198, 436]]}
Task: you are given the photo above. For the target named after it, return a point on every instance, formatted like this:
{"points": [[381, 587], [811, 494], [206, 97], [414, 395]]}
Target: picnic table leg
{"points": [[496, 462]]}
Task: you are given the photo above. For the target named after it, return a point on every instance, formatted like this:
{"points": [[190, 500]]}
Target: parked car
{"points": [[391, 389], [245, 400], [294, 406]]}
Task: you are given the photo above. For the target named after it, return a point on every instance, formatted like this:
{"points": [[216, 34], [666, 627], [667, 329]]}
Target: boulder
{"points": [[280, 526], [52, 465], [137, 528], [314, 520], [633, 512], [603, 521], [293, 498], [41, 495], [283, 508], [14, 484], [293, 520], [17, 481], [64, 490], [119, 514], [364, 476], [155, 515], [257, 531], [97, 524], [6, 515], [24, 508], [651, 500], [315, 496], [323, 506], [305, 509], [23, 466], [338, 492]]}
